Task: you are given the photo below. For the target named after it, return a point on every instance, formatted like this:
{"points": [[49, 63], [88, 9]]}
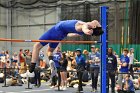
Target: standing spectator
{"points": [[94, 60], [63, 71], [37, 76], [7, 56], [3, 59], [56, 59], [8, 64], [97, 50], [86, 53], [80, 61], [15, 60], [22, 61], [131, 58], [124, 63], [53, 69], [111, 68], [28, 57]]}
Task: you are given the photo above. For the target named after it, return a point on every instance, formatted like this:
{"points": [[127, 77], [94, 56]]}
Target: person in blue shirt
{"points": [[94, 60], [80, 61], [128, 86], [61, 30], [56, 58], [124, 63], [41, 55]]}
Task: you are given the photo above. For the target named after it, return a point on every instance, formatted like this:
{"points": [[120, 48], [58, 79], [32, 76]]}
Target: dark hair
{"points": [[126, 50], [40, 59], [110, 48], [50, 57], [97, 31], [64, 55], [20, 50]]}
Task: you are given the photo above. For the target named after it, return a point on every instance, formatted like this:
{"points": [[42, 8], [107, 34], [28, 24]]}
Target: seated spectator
{"points": [[42, 64], [128, 86], [72, 76], [139, 80], [13, 81]]}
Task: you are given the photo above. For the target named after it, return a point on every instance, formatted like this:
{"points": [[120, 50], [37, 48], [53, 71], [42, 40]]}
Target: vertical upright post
{"points": [[8, 45], [104, 37]]}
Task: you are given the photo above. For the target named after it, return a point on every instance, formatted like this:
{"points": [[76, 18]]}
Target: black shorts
{"points": [[62, 69]]}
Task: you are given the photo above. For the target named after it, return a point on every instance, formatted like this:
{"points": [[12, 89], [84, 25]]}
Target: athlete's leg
{"points": [[49, 51], [51, 48], [36, 48]]}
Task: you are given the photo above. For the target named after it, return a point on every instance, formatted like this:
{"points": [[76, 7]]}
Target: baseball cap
{"points": [[92, 46], [78, 49]]}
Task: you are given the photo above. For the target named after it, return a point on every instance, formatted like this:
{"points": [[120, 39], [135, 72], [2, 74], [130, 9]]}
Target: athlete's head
{"points": [[96, 27], [97, 31]]}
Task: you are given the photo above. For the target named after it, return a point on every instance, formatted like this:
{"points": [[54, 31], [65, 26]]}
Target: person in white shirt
{"points": [[53, 72], [131, 58]]}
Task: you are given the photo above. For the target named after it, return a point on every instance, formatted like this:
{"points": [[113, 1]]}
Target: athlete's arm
{"points": [[73, 35], [86, 29]]}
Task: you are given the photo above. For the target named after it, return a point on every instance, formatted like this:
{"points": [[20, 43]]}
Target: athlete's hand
{"points": [[88, 32], [86, 29]]}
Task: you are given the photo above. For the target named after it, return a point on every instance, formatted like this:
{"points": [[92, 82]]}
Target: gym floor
{"points": [[43, 89]]}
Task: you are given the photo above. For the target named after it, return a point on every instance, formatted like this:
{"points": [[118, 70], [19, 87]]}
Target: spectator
{"points": [[124, 63], [53, 69], [56, 59], [97, 50], [131, 58], [1, 77], [3, 59], [80, 61], [42, 64], [22, 61], [28, 57], [15, 60], [94, 60], [37, 76], [41, 55], [72, 76], [111, 68], [86, 53], [8, 64], [7, 57], [63, 71], [128, 86]]}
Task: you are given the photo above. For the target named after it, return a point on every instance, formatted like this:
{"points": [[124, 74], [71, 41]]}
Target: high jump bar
{"points": [[50, 41]]}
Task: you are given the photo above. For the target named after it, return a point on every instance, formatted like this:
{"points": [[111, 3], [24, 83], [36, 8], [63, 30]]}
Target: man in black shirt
{"points": [[111, 68]]}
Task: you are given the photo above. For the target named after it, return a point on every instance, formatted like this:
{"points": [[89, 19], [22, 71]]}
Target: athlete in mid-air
{"points": [[61, 30]]}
